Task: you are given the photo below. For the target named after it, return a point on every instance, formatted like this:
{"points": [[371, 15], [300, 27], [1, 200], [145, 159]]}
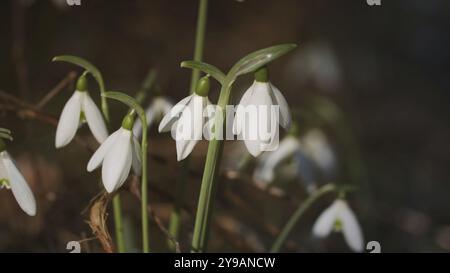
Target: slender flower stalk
{"points": [[127, 124], [293, 220], [90, 68], [208, 186], [250, 63], [175, 217]]}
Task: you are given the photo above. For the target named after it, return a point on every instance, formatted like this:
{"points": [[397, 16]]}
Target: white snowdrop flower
{"points": [[288, 163], [255, 115], [79, 107], [11, 178], [339, 217], [159, 107], [319, 64], [118, 154], [319, 150], [265, 169], [186, 119]]}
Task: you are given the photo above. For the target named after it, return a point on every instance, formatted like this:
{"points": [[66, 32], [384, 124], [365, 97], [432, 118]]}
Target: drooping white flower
{"points": [[319, 150], [11, 178], [186, 119], [79, 106], [117, 154], [159, 107], [265, 169], [256, 121], [339, 217]]}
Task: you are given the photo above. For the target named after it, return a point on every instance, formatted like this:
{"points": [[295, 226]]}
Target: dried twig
{"points": [[68, 80]]}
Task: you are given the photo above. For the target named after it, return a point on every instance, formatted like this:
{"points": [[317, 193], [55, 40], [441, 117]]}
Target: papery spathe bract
{"points": [[80, 104], [14, 180], [340, 217], [117, 154]]}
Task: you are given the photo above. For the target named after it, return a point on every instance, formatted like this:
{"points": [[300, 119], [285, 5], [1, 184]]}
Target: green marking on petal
{"points": [[82, 117], [338, 225], [4, 183]]}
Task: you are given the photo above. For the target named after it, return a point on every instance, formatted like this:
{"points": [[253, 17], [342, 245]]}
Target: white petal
{"points": [[19, 186], [3, 172], [262, 174], [350, 227], [258, 118], [184, 148], [253, 147], [319, 149], [94, 118], [99, 155], [325, 223], [137, 128], [266, 169], [170, 118], [162, 106], [240, 111], [68, 121], [117, 162], [190, 126], [285, 113], [136, 161]]}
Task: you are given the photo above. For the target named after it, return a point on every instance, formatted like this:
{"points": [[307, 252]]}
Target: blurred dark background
{"points": [[386, 67]]}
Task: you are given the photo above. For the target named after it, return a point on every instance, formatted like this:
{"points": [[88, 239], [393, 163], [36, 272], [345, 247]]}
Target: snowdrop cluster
{"points": [[187, 120], [117, 154]]}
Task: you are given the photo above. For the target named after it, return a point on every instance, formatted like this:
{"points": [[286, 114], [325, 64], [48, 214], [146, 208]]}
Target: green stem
{"points": [[175, 218], [199, 40], [298, 214], [144, 201], [117, 204], [118, 223], [207, 191]]}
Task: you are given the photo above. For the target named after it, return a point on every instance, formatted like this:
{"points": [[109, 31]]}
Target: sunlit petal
{"points": [[19, 186], [68, 121], [94, 118], [99, 155], [350, 227], [285, 113], [325, 223], [171, 117], [117, 162]]}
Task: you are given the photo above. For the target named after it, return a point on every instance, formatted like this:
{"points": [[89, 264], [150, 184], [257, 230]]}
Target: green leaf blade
{"points": [[206, 68], [259, 58], [92, 69], [129, 101]]}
